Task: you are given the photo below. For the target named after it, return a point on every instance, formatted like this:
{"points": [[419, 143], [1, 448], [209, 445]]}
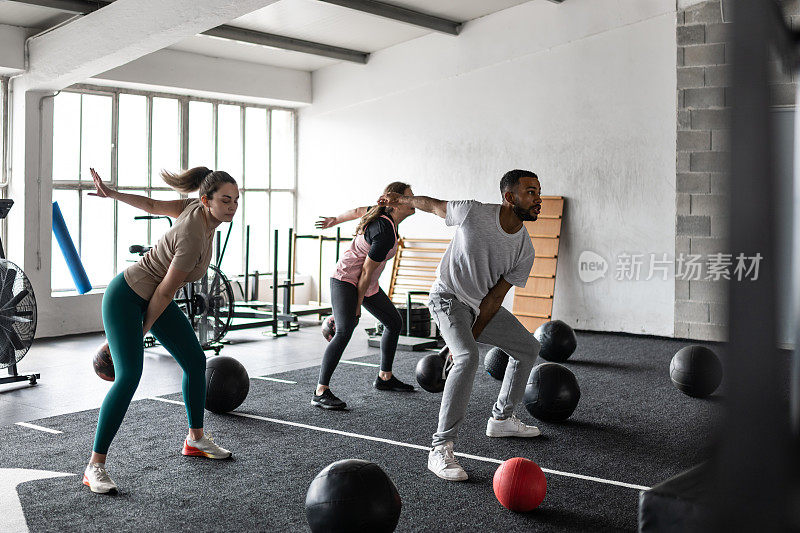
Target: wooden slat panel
{"points": [[400, 285], [544, 267], [532, 323], [439, 251], [536, 287], [552, 206], [418, 268], [545, 227], [415, 258], [412, 239], [525, 305], [545, 247], [412, 276]]}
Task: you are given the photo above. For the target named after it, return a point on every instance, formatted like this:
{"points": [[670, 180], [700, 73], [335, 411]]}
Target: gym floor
{"points": [[631, 430]]}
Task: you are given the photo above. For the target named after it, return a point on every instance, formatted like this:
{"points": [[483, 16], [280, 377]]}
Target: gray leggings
{"points": [[455, 320], [344, 297]]}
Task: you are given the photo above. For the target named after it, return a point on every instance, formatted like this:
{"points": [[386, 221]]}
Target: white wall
{"points": [[583, 93]]}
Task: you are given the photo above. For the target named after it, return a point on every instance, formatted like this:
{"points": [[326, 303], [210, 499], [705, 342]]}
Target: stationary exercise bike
{"points": [[17, 313], [208, 302]]}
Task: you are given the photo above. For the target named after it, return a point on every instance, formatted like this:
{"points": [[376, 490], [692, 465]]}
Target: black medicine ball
{"points": [[432, 370], [495, 363], [552, 392], [557, 339], [352, 495], [227, 384], [696, 371]]}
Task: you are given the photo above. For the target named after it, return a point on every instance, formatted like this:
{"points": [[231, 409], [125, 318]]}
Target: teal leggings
{"points": [[123, 317]]}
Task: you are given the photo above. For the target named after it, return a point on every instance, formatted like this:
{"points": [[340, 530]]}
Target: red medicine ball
{"points": [[519, 485]]}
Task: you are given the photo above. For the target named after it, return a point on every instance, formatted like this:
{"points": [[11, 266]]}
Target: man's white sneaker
{"points": [[204, 447], [442, 462], [96, 478], [510, 427]]}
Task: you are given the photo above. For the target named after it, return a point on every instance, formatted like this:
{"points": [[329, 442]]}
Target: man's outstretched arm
{"points": [[425, 203]]}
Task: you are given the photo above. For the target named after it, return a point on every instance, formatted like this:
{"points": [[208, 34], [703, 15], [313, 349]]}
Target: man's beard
{"points": [[522, 214]]}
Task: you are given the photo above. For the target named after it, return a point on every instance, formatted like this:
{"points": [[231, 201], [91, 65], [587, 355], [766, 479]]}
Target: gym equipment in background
{"points": [[416, 325], [695, 371], [328, 328], [533, 304], [258, 313], [352, 495], [416, 320], [495, 363], [432, 370], [552, 392], [293, 238], [103, 364], [519, 485], [557, 339], [227, 384], [208, 303], [17, 313], [71, 256]]}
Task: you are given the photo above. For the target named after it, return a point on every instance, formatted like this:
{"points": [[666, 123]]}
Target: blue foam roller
{"points": [[70, 253]]}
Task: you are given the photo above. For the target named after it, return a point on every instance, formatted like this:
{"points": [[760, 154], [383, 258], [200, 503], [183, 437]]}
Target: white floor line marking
{"points": [[39, 428], [13, 518], [416, 446], [266, 378], [349, 362]]}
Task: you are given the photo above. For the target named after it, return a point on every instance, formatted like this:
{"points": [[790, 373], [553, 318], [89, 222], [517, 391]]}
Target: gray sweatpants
{"points": [[455, 320]]}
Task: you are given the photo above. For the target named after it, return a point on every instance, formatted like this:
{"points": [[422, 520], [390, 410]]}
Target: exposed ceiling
{"points": [[316, 21]]}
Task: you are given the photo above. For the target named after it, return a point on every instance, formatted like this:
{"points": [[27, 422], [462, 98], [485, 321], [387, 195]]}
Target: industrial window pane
{"points": [[201, 135], [232, 264], [256, 153], [282, 137], [132, 149], [95, 136], [66, 136], [97, 238], [60, 278], [256, 214], [282, 218], [166, 146], [129, 231], [160, 226], [229, 140]]}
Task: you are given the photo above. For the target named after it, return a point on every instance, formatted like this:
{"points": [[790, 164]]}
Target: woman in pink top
{"points": [[355, 283]]}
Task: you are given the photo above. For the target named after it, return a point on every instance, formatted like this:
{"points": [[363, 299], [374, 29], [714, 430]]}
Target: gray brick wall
{"points": [[702, 163]]}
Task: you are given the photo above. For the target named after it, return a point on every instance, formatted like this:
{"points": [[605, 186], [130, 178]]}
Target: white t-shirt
{"points": [[480, 253]]}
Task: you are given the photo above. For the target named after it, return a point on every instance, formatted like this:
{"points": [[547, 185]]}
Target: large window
{"points": [[129, 137]]}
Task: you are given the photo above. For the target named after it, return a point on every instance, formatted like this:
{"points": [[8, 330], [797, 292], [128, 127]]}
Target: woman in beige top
{"points": [[140, 300]]}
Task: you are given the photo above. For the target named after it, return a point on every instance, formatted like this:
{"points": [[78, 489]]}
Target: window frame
{"points": [[183, 102], [4, 155]]}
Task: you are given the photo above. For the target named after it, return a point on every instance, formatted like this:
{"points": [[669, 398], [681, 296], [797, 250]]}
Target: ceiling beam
{"points": [[401, 14], [118, 34], [76, 7], [231, 33]]}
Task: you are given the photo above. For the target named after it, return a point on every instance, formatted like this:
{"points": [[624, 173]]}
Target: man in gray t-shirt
{"points": [[490, 252]]}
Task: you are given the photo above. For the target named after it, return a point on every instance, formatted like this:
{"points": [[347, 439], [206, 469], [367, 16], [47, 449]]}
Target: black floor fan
{"points": [[17, 313]]}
